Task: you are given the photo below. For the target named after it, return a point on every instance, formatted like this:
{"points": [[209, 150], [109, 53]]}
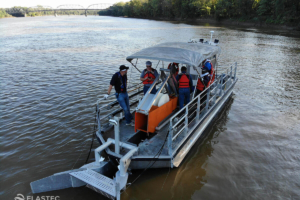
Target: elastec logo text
{"points": [[22, 197]]}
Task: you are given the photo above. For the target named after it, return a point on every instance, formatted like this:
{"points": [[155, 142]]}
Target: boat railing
{"points": [[109, 110], [184, 121]]}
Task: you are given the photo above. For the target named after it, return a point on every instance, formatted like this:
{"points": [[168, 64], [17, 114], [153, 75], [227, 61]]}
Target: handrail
{"points": [[212, 93], [180, 120]]}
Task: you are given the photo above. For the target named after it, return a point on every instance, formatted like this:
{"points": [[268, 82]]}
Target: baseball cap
{"points": [[148, 63], [123, 68]]}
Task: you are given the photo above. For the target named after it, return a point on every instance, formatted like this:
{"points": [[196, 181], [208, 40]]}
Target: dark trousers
{"points": [[184, 96], [146, 88]]}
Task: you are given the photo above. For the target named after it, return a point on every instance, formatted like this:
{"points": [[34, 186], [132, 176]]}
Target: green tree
{"points": [[265, 8], [273, 11], [225, 9]]}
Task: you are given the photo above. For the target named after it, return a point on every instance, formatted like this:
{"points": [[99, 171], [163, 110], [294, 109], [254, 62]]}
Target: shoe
{"points": [[130, 124]]}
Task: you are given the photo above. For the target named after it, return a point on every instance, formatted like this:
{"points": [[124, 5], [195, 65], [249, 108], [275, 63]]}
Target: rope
{"points": [[93, 138], [86, 143]]}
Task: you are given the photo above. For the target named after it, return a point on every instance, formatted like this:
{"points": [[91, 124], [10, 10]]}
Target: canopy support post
{"points": [[135, 66]]}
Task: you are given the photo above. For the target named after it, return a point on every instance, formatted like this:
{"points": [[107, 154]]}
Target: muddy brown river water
{"points": [[54, 69]]}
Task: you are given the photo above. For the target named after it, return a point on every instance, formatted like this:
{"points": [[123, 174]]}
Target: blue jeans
{"points": [[184, 96], [146, 89], [123, 100]]}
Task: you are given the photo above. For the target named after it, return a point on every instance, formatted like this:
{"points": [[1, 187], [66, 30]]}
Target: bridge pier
{"points": [[25, 15], [86, 13]]}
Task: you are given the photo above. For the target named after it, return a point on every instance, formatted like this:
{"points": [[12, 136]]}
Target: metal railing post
{"points": [[198, 107], [215, 94], [118, 194], [207, 98], [170, 139], [186, 119], [116, 124], [221, 85], [230, 74]]}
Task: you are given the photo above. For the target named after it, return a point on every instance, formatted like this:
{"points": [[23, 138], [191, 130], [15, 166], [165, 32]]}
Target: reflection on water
{"points": [[54, 69]]}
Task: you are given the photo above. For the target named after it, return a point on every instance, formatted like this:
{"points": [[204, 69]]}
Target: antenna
{"points": [[211, 34]]}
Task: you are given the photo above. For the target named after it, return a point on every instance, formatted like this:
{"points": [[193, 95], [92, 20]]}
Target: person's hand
{"points": [[106, 96]]}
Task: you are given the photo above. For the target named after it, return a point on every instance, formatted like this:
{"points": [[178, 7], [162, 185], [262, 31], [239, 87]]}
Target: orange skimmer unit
{"points": [[148, 123]]}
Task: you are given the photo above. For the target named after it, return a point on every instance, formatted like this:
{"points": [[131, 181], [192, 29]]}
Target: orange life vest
{"points": [[184, 81], [200, 85], [149, 74]]}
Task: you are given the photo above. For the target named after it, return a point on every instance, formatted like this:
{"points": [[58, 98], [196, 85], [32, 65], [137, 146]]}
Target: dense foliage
{"points": [[270, 11], [3, 13]]}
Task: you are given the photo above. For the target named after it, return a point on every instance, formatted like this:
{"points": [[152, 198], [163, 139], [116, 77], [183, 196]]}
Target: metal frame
{"points": [[213, 96], [147, 95]]}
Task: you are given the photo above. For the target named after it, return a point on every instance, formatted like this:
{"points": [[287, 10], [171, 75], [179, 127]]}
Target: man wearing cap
{"points": [[119, 81], [185, 86], [148, 75]]}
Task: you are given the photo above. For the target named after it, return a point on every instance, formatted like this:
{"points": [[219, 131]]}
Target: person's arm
{"points": [[205, 80], [112, 83], [142, 76], [109, 89], [142, 79]]}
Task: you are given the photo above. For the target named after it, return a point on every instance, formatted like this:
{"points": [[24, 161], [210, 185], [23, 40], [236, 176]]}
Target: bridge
{"points": [[67, 7]]}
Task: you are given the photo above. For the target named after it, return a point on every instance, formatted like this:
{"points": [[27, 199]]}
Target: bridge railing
{"points": [[15, 10]]}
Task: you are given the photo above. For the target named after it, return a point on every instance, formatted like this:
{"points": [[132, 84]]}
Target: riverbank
{"points": [[7, 17], [229, 22], [235, 22]]}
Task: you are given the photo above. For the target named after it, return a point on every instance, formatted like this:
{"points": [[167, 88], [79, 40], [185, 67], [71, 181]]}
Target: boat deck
{"points": [[183, 125], [151, 145]]}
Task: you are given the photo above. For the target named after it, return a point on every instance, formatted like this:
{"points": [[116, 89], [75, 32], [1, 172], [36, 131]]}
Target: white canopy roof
{"points": [[186, 53]]}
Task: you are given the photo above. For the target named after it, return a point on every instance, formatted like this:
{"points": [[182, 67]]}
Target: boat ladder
{"points": [[92, 175], [108, 187]]}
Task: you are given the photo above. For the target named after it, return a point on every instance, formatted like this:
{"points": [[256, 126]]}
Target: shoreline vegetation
{"points": [[274, 13], [262, 13], [3, 13]]}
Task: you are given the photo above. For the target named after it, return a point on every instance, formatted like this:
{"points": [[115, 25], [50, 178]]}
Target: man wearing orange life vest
{"points": [[148, 76], [185, 85], [207, 80]]}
